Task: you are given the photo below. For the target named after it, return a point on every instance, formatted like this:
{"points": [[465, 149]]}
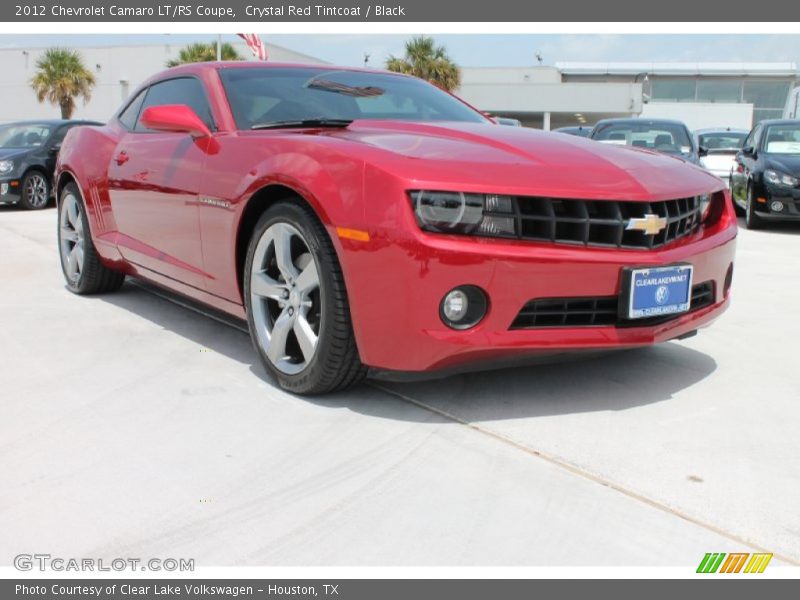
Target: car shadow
{"points": [[616, 380], [611, 381], [16, 208]]}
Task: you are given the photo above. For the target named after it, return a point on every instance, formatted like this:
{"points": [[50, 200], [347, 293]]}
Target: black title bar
{"points": [[738, 588], [266, 11]]}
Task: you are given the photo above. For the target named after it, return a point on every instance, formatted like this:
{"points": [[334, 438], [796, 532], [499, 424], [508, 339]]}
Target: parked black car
{"points": [[578, 130], [661, 135], [28, 151], [765, 181]]}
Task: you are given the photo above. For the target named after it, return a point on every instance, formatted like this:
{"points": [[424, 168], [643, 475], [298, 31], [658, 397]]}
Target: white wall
{"points": [[698, 115], [553, 97], [112, 66], [513, 75]]}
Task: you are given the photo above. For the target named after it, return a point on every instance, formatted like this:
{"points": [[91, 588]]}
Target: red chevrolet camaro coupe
{"points": [[368, 220]]}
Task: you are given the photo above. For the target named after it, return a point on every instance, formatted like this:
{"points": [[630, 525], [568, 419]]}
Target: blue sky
{"points": [[486, 50]]}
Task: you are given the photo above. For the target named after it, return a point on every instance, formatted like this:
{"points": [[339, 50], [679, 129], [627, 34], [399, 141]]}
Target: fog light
{"points": [[455, 306], [463, 307], [776, 206]]}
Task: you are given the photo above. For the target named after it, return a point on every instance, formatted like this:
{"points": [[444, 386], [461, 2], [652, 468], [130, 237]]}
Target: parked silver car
{"points": [[718, 149]]}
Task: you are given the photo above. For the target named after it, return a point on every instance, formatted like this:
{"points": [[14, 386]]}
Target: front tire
{"points": [[751, 219], [296, 301], [35, 191], [80, 263]]}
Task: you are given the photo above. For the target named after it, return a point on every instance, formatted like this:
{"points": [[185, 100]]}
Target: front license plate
{"points": [[659, 291]]}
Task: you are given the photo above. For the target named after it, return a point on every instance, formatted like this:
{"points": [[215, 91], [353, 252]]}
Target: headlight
{"points": [[778, 178], [6, 166], [457, 212]]}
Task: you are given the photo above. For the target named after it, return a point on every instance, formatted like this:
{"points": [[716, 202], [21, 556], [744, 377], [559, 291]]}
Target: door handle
{"points": [[122, 158]]}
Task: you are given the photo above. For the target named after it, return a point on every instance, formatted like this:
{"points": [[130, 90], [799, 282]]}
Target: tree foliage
{"points": [[424, 59], [204, 52], [60, 78]]}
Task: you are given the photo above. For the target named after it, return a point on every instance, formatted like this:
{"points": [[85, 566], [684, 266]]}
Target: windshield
{"points": [[270, 95], [782, 139], [723, 140], [23, 136], [671, 138]]}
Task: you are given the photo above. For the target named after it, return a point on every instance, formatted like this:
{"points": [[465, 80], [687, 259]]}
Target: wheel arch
{"points": [[38, 168], [64, 178], [258, 203]]}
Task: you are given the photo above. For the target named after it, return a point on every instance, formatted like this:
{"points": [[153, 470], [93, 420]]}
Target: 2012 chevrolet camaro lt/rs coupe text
{"points": [[369, 220]]}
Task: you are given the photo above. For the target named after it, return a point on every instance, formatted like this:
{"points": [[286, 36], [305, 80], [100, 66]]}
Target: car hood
{"points": [[789, 164], [517, 160], [9, 153]]}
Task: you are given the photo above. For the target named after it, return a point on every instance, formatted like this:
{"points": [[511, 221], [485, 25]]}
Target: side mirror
{"points": [[702, 151], [748, 151], [177, 118]]}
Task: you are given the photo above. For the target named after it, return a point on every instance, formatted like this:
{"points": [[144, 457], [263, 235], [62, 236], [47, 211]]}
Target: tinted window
{"points": [[186, 90], [663, 137], [756, 135], [782, 139], [680, 90], [766, 94], [724, 140], [24, 136], [719, 91], [751, 138], [259, 96], [128, 116]]}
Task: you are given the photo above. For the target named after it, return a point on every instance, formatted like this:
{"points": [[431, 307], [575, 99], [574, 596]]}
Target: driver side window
{"points": [[183, 90], [751, 139]]}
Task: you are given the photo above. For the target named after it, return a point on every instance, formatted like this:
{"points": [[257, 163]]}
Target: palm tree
{"points": [[426, 60], [60, 78], [202, 52]]}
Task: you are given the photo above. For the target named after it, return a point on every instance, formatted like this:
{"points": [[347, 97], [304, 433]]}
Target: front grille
{"points": [[594, 312], [601, 222]]}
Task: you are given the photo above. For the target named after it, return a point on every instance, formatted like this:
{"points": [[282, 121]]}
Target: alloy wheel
{"points": [[71, 237], [36, 190], [285, 298]]}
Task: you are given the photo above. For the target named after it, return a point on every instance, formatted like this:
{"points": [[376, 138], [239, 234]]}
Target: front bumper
{"points": [[10, 191], [396, 286], [789, 199]]}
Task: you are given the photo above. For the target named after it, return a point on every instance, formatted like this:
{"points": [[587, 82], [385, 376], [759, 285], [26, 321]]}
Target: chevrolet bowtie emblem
{"points": [[649, 224]]}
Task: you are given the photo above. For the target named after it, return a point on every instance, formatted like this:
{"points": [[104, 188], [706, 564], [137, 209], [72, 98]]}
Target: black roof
{"points": [[53, 122], [635, 121], [574, 128], [780, 122]]}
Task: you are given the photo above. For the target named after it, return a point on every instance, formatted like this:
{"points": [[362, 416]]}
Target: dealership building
{"points": [[731, 94]]}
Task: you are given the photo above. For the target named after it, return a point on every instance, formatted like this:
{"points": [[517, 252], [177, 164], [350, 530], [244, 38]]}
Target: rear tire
{"points": [[80, 263], [751, 219], [297, 307], [35, 191]]}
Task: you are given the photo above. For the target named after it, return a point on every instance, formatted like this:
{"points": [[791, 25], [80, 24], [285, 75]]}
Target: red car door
{"points": [[154, 181]]}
